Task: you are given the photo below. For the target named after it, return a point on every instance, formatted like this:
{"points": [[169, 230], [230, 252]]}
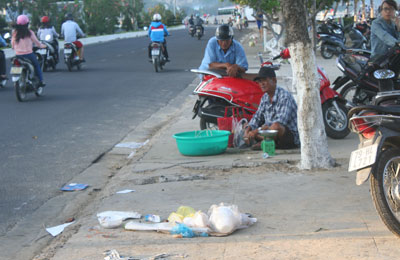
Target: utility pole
{"points": [[175, 8]]}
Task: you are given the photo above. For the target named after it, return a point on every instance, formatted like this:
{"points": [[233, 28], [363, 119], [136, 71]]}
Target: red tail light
{"points": [[365, 125], [16, 63]]}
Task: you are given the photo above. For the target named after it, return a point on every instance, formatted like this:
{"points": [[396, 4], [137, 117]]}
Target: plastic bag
{"points": [[238, 133], [200, 219], [224, 219], [113, 219]]}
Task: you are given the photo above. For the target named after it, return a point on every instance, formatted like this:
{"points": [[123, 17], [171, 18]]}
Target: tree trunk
{"points": [[355, 10], [363, 10], [314, 145], [371, 15]]}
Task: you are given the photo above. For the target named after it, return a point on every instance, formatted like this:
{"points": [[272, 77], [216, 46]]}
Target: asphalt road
{"points": [[46, 141]]}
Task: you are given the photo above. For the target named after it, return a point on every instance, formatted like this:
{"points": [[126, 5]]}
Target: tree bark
{"points": [[314, 145]]}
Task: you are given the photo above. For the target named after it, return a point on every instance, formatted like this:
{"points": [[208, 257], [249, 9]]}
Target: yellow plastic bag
{"points": [[175, 218], [186, 211]]}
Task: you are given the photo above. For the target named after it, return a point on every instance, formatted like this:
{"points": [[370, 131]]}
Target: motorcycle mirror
{"points": [[48, 37], [384, 74], [7, 35]]}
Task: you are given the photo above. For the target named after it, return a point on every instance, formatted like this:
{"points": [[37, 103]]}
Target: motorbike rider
{"points": [[224, 52], [48, 29], [157, 33], [3, 74], [70, 30], [277, 111], [191, 20], [22, 42], [384, 33], [199, 22]]}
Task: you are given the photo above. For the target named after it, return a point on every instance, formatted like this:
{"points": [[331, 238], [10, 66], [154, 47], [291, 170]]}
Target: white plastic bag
{"points": [[200, 220], [238, 133], [224, 219], [113, 219]]}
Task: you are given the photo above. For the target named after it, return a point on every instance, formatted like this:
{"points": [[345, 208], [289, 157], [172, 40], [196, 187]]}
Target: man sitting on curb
{"points": [[277, 111]]}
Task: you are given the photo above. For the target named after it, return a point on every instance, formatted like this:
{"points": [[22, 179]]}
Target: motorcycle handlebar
{"points": [[276, 57]]}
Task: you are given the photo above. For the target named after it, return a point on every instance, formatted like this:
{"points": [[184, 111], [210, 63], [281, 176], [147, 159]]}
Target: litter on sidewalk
{"points": [[125, 191], [221, 220], [56, 230], [74, 187], [113, 219]]}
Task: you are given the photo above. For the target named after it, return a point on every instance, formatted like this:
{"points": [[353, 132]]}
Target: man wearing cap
{"points": [[223, 52], [277, 111]]}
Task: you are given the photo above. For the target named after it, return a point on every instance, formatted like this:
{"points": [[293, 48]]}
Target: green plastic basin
{"points": [[204, 142]]}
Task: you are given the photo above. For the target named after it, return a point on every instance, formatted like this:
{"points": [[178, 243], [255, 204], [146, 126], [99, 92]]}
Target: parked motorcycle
{"points": [[47, 57], [199, 31], [157, 56], [217, 91], [357, 84], [378, 127], [71, 56], [24, 78]]}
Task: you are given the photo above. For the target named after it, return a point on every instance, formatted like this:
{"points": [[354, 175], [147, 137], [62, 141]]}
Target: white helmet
{"points": [[157, 17]]}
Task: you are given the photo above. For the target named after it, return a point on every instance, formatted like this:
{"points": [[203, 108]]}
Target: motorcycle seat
{"points": [[356, 65]]}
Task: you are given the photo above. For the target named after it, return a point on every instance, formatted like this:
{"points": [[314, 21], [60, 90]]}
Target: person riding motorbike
{"points": [[3, 74], [48, 29], [199, 22], [384, 33], [191, 20], [69, 30], [22, 42], [157, 33], [223, 52]]}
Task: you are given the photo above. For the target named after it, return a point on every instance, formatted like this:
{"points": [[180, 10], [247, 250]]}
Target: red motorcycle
{"points": [[216, 91]]}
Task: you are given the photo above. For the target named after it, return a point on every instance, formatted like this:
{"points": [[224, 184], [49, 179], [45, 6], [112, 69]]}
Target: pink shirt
{"points": [[24, 46]]}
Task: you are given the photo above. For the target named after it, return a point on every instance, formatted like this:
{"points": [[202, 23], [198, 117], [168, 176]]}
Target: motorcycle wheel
{"points": [[385, 188], [204, 124], [79, 66], [69, 65], [155, 62], [199, 37], [336, 122], [20, 87], [325, 52], [349, 91]]}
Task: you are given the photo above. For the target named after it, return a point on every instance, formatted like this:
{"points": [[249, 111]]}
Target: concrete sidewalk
{"points": [[319, 214]]}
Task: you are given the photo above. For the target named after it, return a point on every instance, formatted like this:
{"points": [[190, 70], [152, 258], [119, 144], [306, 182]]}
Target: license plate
{"points": [[67, 51], [363, 157], [42, 51], [16, 70], [198, 30], [155, 52]]}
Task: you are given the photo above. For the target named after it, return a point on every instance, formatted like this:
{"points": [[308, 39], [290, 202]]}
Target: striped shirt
{"points": [[283, 110]]}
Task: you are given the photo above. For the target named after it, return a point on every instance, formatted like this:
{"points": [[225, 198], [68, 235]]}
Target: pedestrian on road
{"points": [[277, 111], [70, 31], [385, 29], [22, 42], [223, 52], [259, 20]]}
